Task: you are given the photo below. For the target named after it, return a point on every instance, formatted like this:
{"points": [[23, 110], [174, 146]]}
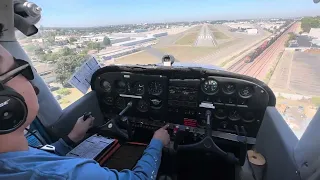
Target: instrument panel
{"points": [[167, 98]]}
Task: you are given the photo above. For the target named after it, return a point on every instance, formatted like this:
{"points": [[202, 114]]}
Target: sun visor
{"points": [[24, 26]]}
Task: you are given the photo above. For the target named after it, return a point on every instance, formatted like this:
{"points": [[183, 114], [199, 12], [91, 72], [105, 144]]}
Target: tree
{"points": [[30, 48], [39, 51], [94, 45], [310, 22], [292, 36], [72, 39], [66, 66], [67, 51], [106, 41], [50, 57]]}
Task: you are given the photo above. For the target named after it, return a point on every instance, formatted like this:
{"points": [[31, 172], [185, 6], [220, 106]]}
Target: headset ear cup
{"points": [[13, 110]]}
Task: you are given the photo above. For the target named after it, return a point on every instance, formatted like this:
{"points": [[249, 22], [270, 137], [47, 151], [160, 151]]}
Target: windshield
{"points": [[274, 41]]}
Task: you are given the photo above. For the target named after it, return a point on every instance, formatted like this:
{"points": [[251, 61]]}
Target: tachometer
{"points": [[138, 88], [143, 106], [155, 88], [209, 86]]}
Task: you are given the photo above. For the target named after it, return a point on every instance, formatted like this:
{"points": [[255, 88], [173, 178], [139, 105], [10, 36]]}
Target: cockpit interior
{"points": [[209, 111], [222, 125]]}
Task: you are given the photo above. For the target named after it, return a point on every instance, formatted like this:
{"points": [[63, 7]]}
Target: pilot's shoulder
{"points": [[39, 164]]}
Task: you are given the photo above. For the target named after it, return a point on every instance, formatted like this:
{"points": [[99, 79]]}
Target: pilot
{"points": [[19, 161]]}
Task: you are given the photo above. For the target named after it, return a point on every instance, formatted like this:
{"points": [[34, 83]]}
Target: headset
{"points": [[13, 109]]}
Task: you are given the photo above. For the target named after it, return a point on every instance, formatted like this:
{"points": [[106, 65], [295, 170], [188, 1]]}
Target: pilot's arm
{"points": [[146, 168], [65, 144]]}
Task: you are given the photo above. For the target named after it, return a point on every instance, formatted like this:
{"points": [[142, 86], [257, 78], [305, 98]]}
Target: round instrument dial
{"points": [[220, 114], [248, 117], [108, 100], [209, 86], [120, 103], [246, 92], [234, 115], [138, 88], [106, 86], [143, 106], [156, 103], [155, 88], [229, 88], [121, 86]]}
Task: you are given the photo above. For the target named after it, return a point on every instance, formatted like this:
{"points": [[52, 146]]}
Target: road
{"points": [[205, 37], [261, 65]]}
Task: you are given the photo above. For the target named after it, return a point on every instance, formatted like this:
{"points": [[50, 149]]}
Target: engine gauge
{"points": [[143, 106], [138, 88], [246, 92], [220, 114], [234, 115], [120, 103], [229, 88], [155, 88], [105, 85], [209, 86], [248, 117], [121, 86], [108, 100]]}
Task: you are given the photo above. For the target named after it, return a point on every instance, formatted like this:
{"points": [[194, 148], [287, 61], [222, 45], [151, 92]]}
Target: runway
{"points": [[205, 37]]}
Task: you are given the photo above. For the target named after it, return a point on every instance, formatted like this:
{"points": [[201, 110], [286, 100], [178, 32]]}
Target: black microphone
{"points": [[86, 115]]}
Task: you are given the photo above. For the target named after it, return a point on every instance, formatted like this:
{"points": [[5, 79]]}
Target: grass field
{"points": [[65, 101], [187, 53], [219, 35], [138, 58], [187, 39]]}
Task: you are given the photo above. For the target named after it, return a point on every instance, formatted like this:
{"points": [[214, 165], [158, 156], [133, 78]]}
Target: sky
{"points": [[86, 13]]}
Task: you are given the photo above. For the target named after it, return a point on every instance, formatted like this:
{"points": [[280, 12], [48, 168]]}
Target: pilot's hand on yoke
{"points": [[162, 135], [80, 128]]}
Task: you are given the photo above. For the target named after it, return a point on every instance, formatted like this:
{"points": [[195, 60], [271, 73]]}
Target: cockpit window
{"points": [[277, 42]]}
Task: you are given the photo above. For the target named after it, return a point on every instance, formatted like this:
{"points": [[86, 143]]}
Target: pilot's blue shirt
{"points": [[38, 164]]}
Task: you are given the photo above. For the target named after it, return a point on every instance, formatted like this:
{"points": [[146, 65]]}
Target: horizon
{"points": [[281, 18], [100, 13]]}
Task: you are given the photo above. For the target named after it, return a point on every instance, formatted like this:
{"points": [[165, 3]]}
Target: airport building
{"points": [[116, 52], [92, 38], [303, 43], [115, 40], [159, 34], [252, 31], [139, 30], [315, 33], [128, 35], [135, 41]]}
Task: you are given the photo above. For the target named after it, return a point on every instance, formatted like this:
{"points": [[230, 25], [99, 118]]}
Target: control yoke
{"points": [[115, 124], [206, 144]]}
